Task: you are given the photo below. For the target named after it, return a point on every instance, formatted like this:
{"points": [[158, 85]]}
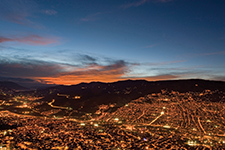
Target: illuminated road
{"points": [[60, 107], [2, 103], [141, 115], [162, 113], [201, 125]]}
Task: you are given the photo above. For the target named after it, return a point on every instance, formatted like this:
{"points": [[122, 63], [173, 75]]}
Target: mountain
{"points": [[11, 85], [87, 97], [28, 83]]}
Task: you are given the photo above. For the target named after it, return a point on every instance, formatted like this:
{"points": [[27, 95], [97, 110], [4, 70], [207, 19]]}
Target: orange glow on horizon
{"points": [[76, 79]]}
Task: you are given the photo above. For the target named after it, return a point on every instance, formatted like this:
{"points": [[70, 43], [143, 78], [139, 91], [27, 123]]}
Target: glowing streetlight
{"points": [[82, 124], [116, 119]]}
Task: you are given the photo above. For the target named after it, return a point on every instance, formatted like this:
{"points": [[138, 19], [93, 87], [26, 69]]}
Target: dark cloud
{"points": [[219, 78], [87, 58], [28, 83], [30, 39], [90, 69], [3, 39], [28, 69], [117, 68], [156, 77], [93, 72], [60, 73], [117, 65]]}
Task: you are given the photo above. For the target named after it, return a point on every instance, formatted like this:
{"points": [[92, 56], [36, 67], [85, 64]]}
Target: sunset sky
{"points": [[74, 41]]}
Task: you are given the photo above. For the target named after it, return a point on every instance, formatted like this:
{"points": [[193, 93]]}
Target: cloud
{"points": [[22, 11], [29, 83], [142, 2], [3, 39], [135, 4], [87, 68], [30, 39], [193, 55], [104, 73], [219, 78], [50, 12], [165, 63], [86, 59], [62, 73], [156, 77], [157, 72], [176, 74], [163, 1], [91, 17], [117, 70], [213, 53], [28, 69], [150, 46]]}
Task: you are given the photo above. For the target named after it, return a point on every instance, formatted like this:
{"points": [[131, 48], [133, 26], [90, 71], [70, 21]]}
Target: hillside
{"points": [[11, 85], [86, 97]]}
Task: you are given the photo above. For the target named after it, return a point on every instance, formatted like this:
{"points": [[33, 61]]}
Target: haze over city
{"points": [[69, 42]]}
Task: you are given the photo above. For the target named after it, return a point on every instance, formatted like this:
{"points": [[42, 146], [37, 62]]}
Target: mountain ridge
{"points": [[87, 97], [11, 85]]}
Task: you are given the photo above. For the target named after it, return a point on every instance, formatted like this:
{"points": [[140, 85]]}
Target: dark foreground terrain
{"points": [[183, 114]]}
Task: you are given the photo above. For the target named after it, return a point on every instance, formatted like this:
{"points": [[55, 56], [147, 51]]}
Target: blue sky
{"points": [[68, 42]]}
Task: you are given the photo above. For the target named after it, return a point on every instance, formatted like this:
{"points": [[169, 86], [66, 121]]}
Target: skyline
{"points": [[69, 42]]}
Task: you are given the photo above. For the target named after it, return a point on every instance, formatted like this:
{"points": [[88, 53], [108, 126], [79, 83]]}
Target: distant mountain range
{"points": [[11, 86], [86, 97], [83, 98], [28, 83]]}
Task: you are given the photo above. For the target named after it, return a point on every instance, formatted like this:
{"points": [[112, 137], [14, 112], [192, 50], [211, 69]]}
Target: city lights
{"points": [[142, 123]]}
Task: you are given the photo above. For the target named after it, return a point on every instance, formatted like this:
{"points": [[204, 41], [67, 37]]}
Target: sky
{"points": [[73, 41]]}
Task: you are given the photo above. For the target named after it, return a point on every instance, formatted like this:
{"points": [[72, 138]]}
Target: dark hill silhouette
{"points": [[11, 85], [96, 93]]}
